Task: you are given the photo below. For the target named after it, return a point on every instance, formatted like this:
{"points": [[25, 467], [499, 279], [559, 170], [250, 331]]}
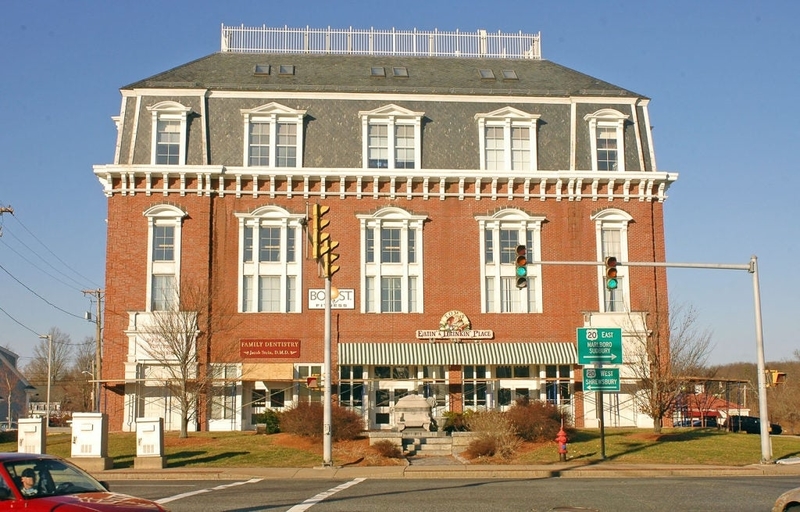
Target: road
{"points": [[752, 494]]}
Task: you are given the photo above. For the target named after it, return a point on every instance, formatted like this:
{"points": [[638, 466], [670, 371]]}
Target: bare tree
{"points": [[78, 383], [60, 359], [664, 356], [179, 342]]}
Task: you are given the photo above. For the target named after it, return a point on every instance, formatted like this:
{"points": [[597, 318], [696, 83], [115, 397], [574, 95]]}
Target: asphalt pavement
{"points": [[451, 467]]}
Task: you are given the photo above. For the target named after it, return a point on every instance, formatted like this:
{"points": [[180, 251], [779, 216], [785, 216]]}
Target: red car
{"points": [[36, 483]]}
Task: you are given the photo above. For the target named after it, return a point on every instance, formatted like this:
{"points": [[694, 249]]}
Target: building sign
{"points": [[345, 300], [454, 325], [250, 348]]}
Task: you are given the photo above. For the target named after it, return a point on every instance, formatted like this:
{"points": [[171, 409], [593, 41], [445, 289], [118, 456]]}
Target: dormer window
{"points": [[286, 69], [486, 74], [391, 138], [508, 140], [377, 71], [261, 70], [400, 72], [169, 133], [606, 130], [509, 74], [273, 136]]}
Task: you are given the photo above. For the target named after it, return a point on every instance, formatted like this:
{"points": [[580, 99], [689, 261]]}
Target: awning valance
{"points": [[467, 353]]}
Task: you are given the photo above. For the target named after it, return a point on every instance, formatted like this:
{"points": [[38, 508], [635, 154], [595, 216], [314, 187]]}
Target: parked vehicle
{"points": [[37, 483], [710, 422], [750, 425], [788, 501]]}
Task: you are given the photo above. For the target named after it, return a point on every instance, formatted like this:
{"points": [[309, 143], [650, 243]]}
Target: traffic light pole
{"points": [[752, 268], [327, 433]]}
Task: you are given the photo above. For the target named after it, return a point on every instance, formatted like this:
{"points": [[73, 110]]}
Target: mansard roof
{"points": [[225, 71]]}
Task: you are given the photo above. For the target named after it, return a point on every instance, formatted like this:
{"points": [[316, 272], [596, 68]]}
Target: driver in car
{"points": [[29, 483]]}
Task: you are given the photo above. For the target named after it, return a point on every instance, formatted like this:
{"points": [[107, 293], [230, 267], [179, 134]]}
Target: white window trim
{"points": [[607, 118], [392, 217], [272, 216], [508, 117], [163, 215], [512, 219], [168, 111], [612, 218], [273, 113], [391, 115]]}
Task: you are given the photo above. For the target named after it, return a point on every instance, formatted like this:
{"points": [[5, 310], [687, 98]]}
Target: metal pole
{"points": [[98, 365], [763, 413], [49, 338], [327, 434]]}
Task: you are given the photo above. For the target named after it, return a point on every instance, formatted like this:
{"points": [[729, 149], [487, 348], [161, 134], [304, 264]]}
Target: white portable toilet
{"points": [[149, 444], [90, 441], [32, 435]]}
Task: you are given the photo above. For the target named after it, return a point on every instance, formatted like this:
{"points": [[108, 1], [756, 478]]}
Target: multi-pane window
{"points": [[163, 243], [611, 227], [606, 148], [606, 128], [307, 394], [163, 262], [164, 294], [259, 144], [391, 138], [500, 236], [169, 128], [351, 387], [508, 140], [378, 146], [168, 140], [392, 263], [273, 136], [475, 386], [557, 379], [270, 269], [224, 392]]}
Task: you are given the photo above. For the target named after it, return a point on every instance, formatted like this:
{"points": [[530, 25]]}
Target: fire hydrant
{"points": [[561, 439]]}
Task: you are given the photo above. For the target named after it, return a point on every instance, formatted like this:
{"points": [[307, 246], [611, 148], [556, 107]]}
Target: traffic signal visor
{"points": [[522, 266], [611, 273]]}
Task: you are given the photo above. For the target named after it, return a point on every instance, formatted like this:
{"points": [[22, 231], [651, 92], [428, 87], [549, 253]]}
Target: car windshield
{"points": [[50, 477]]}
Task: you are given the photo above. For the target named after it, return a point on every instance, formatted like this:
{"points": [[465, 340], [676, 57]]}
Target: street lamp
{"points": [[49, 338]]}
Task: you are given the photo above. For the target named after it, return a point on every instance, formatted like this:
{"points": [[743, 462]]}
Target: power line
{"points": [[39, 296], [43, 259]]}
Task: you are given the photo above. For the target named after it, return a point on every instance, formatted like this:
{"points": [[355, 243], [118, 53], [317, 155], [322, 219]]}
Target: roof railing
{"points": [[415, 43]]}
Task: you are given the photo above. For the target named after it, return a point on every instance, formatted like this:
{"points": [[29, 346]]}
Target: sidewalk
{"points": [[443, 467]]}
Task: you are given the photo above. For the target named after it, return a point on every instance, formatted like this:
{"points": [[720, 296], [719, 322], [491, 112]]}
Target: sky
{"points": [[721, 76]]}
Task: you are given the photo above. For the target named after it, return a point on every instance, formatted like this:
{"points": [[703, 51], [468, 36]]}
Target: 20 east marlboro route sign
{"points": [[600, 345]]}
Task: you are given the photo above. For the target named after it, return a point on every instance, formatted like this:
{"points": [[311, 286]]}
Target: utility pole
{"points": [[98, 353], [5, 209]]}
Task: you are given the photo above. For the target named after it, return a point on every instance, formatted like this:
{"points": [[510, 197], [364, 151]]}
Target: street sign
{"points": [[599, 345], [601, 379]]}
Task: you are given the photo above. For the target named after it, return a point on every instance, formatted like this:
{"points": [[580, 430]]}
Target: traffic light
{"points": [[611, 273], [774, 378], [316, 227], [313, 381], [328, 257], [522, 266]]}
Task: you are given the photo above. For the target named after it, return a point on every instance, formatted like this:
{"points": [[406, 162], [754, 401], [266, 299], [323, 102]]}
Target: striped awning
{"points": [[467, 353]]}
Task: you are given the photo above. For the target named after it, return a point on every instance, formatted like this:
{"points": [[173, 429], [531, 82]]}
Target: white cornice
{"points": [[129, 180]]}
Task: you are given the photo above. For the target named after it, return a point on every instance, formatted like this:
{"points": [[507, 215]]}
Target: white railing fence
{"points": [[480, 44]]}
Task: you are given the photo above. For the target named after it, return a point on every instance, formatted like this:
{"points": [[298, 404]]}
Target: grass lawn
{"points": [[683, 446]]}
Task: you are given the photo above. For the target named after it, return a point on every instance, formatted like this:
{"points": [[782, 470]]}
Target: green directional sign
{"points": [[599, 345], [601, 379]]}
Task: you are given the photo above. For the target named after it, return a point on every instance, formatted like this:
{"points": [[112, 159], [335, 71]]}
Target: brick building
{"points": [[437, 154]]}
